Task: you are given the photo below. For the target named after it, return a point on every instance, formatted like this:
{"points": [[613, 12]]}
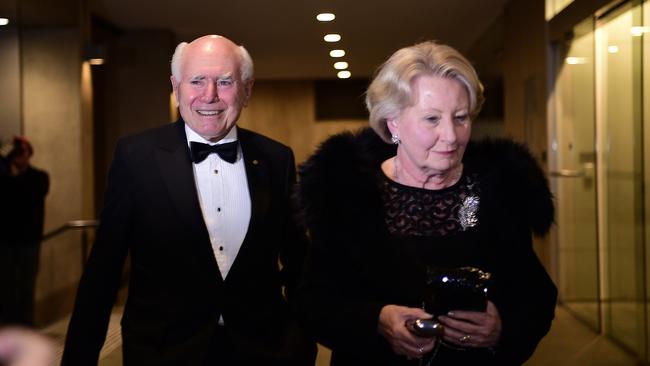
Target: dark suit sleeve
{"points": [[101, 278], [525, 295], [294, 248], [331, 299], [341, 208]]}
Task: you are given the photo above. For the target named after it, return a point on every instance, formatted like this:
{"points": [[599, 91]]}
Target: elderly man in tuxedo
{"points": [[203, 209]]}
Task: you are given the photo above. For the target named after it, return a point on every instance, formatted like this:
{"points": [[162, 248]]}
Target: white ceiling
{"points": [[285, 40]]}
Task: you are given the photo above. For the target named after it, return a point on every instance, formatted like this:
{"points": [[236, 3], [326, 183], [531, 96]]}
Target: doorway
{"points": [[598, 169]]}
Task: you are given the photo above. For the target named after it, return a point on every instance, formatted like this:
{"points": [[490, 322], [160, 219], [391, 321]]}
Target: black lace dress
{"points": [[439, 229], [372, 240]]}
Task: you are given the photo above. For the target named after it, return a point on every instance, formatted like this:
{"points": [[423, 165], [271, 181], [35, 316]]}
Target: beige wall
{"points": [[524, 65], [10, 76], [143, 86], [525, 88], [52, 119], [131, 91], [284, 110]]}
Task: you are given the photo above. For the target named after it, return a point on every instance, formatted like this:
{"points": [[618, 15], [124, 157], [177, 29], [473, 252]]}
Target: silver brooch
{"points": [[467, 212]]}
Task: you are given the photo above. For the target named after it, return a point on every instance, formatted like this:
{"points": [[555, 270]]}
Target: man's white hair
{"points": [[246, 63]]}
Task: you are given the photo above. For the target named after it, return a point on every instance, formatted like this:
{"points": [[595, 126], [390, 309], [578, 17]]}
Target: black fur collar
{"points": [[338, 183]]}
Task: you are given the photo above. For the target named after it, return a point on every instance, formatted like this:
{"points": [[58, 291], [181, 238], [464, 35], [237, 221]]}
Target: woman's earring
{"points": [[395, 139]]}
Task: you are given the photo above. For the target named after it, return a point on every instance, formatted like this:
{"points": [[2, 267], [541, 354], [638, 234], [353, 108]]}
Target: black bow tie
{"points": [[227, 151]]}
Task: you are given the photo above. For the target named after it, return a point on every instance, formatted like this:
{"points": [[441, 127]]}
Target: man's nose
{"points": [[211, 93]]}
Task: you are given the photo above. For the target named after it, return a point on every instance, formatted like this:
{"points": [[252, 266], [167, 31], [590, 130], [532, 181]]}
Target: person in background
{"points": [[389, 203], [204, 210], [22, 195]]}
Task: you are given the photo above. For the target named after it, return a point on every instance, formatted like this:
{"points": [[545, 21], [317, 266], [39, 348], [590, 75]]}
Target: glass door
{"points": [[619, 117], [573, 175]]}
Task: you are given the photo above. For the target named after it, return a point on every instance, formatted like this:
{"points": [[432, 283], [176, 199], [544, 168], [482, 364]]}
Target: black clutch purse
{"points": [[449, 289]]}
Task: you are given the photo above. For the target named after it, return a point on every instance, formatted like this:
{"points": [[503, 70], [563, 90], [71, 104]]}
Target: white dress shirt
{"points": [[225, 200]]}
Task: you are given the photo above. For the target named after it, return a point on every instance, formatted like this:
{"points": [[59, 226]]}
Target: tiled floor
{"points": [[569, 343], [111, 354]]}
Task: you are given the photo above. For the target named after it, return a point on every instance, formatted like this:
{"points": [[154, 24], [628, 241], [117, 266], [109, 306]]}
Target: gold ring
{"points": [[465, 338]]}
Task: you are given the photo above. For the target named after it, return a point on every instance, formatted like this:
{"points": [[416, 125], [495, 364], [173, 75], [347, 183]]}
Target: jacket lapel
{"points": [[257, 174], [173, 159]]}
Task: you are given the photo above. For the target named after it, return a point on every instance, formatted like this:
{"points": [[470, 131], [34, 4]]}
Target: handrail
{"points": [[75, 224], [567, 173]]}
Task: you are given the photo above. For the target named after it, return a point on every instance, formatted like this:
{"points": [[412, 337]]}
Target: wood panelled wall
{"points": [[525, 81], [284, 111]]}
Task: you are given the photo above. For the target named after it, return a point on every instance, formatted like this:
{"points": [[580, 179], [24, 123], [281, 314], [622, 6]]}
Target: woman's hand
{"points": [[392, 319], [473, 328]]}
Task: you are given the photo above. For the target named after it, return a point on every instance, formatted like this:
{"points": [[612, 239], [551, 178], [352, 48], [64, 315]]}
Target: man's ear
{"points": [[174, 88], [248, 91]]}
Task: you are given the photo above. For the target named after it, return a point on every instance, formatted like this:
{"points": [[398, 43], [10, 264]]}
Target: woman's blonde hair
{"points": [[391, 89]]}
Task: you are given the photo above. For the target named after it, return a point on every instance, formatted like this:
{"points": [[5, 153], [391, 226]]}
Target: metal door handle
{"points": [[567, 173]]}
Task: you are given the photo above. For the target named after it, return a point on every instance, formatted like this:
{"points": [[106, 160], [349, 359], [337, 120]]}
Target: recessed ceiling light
{"points": [[4, 21], [341, 65], [325, 17], [337, 53], [344, 74], [332, 37], [612, 49], [96, 61]]}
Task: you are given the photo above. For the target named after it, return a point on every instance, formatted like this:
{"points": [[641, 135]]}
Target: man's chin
{"points": [[215, 134]]}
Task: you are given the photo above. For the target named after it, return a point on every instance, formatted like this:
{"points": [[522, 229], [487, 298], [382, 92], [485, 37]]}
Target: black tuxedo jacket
{"points": [[176, 293]]}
